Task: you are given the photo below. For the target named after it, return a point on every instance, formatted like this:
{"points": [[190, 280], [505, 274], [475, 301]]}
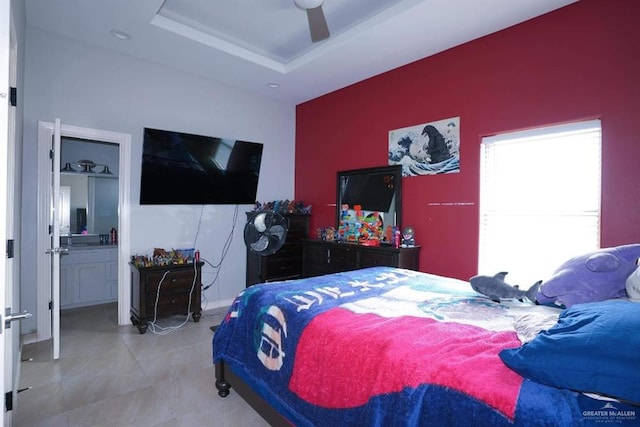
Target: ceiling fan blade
{"points": [[317, 24]]}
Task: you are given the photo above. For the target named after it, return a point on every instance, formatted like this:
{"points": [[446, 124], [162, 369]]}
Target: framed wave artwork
{"points": [[426, 149]]}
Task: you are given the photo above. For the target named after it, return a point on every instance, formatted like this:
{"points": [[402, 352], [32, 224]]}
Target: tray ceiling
{"points": [[256, 44]]}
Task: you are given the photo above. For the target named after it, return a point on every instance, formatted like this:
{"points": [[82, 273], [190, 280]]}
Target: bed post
{"points": [[221, 384]]}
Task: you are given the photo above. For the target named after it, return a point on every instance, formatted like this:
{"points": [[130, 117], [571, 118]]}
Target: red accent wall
{"points": [[579, 62]]}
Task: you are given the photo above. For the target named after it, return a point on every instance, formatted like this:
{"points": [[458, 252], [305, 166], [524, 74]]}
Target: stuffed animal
{"points": [[633, 283], [497, 289], [595, 276]]}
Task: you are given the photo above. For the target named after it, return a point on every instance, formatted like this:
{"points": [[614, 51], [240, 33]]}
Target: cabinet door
{"points": [[91, 286], [374, 259], [284, 264], [315, 259], [298, 227], [68, 286], [112, 280], [409, 258], [342, 258]]}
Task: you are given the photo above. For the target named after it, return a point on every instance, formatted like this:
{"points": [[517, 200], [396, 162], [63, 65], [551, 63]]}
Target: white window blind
{"points": [[539, 200]]}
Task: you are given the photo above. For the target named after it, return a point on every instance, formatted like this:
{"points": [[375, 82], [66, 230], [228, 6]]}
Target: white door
{"points": [[54, 246], [5, 14], [48, 248], [9, 288], [49, 222]]}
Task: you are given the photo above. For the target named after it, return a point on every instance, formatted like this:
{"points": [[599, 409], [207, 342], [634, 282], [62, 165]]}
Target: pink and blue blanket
{"points": [[386, 347]]}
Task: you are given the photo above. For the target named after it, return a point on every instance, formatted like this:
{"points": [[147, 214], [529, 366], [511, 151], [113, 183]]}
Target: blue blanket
{"points": [[385, 347]]}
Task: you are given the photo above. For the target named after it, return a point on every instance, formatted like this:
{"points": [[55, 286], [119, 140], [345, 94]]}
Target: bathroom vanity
{"points": [[88, 275]]}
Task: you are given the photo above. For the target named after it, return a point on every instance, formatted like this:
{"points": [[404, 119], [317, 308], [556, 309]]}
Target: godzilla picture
{"points": [[426, 149]]}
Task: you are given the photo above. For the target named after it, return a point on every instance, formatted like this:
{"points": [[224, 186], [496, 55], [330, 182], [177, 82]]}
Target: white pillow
{"points": [[529, 325]]}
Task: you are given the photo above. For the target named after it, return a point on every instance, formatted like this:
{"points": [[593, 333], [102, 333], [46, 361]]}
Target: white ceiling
{"points": [[251, 43]]}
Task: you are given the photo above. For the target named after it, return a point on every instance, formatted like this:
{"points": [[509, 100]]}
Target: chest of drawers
{"points": [[163, 291], [322, 257], [287, 262]]}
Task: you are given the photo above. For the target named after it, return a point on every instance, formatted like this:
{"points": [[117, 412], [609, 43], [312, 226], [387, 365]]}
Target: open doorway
{"points": [[44, 319], [89, 225]]}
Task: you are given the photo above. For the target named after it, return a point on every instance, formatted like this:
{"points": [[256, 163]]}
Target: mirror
{"points": [[92, 186], [92, 205], [378, 194]]}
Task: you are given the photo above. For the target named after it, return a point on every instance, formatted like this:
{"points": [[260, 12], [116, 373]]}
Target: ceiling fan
{"points": [[317, 22]]}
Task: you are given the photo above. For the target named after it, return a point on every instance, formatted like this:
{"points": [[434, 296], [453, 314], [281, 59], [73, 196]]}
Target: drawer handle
{"points": [[174, 280]]}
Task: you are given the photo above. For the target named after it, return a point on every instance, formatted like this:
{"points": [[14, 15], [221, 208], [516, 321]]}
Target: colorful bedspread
{"points": [[388, 347]]}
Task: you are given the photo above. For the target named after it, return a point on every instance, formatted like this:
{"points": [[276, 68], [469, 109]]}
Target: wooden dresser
{"points": [[175, 282], [323, 257], [287, 262]]}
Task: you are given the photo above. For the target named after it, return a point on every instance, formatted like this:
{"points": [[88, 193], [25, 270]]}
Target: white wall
{"points": [[101, 89]]}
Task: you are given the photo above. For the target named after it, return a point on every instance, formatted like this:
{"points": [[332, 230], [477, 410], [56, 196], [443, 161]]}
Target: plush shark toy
{"points": [[497, 289]]}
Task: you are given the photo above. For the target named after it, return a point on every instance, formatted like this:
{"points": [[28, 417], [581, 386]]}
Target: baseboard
{"points": [[29, 338], [212, 305]]}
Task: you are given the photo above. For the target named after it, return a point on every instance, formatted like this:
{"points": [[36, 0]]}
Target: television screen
{"points": [[185, 169], [372, 191]]}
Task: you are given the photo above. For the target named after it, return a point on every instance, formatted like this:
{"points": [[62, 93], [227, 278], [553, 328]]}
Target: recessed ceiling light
{"points": [[121, 35], [273, 85]]}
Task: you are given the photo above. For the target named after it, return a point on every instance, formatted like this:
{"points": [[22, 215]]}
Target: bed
{"points": [[384, 346]]}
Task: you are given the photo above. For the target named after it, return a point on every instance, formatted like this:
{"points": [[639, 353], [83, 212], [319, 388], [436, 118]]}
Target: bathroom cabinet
{"points": [[88, 276]]}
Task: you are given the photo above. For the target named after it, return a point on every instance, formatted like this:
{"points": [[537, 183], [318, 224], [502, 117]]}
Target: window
{"points": [[539, 200]]}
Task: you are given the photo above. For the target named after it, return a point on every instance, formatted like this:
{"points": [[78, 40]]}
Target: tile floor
{"points": [[110, 375]]}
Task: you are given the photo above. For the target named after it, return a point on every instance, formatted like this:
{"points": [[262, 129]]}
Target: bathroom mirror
{"points": [[89, 173], [92, 203]]}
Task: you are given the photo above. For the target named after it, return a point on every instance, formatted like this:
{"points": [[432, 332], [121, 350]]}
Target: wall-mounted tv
{"points": [[186, 169]]}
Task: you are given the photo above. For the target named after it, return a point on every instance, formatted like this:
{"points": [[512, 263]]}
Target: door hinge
{"points": [[50, 229], [10, 246], [8, 401], [50, 305], [13, 96], [51, 154]]}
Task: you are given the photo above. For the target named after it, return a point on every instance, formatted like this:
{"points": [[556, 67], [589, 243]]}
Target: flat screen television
{"points": [[185, 169]]}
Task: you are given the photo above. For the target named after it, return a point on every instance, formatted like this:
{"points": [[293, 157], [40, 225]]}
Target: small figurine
{"points": [[330, 234], [408, 237], [159, 253], [388, 237]]}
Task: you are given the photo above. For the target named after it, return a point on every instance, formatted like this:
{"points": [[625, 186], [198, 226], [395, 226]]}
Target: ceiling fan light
{"points": [[308, 4]]}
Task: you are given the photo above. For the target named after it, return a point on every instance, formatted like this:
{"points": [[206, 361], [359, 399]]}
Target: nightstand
{"points": [[175, 283]]}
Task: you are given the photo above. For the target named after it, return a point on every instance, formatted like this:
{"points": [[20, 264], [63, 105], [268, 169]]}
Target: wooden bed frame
{"points": [[226, 379]]}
